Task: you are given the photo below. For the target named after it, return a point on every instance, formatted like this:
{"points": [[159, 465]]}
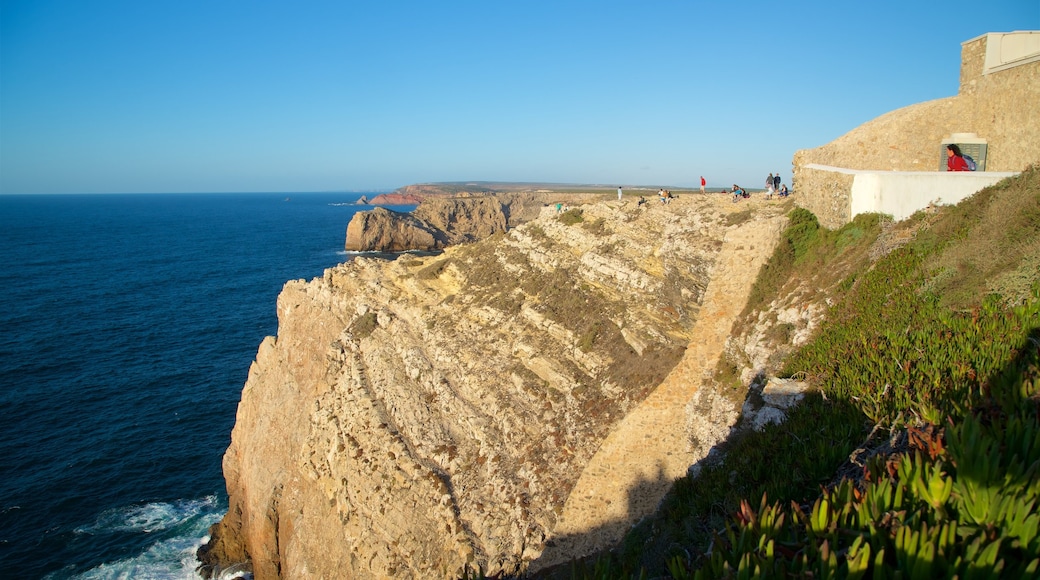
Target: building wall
{"points": [[900, 193], [1000, 104], [825, 192]]}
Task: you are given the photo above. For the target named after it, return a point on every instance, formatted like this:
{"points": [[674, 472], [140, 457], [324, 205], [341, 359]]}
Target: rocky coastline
{"points": [[429, 416], [441, 220]]}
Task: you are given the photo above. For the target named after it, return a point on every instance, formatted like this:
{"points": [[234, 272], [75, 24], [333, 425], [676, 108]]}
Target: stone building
{"points": [[895, 163]]}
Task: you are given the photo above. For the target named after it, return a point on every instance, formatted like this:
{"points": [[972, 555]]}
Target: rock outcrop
{"points": [[383, 230], [419, 417], [395, 198], [415, 194], [464, 220], [436, 223], [441, 221], [421, 191]]}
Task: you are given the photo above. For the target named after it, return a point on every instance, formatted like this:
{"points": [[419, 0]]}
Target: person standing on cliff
{"points": [[703, 183], [619, 193], [776, 181]]}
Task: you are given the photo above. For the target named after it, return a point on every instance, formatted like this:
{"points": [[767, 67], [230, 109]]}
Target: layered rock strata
{"points": [[421, 417], [441, 221], [383, 230]]}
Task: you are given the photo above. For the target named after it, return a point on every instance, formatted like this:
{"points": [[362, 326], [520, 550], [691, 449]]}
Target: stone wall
{"points": [[830, 195], [1000, 106]]}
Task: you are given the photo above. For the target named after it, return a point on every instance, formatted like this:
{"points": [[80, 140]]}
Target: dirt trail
{"points": [[637, 463]]}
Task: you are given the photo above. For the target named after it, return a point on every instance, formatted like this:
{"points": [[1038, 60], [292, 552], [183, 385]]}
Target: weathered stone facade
{"points": [[999, 105]]}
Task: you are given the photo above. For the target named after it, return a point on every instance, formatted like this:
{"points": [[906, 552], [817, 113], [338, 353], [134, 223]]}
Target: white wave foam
{"points": [[183, 527], [151, 517]]}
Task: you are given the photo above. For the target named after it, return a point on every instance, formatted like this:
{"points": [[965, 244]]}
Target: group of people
{"points": [[663, 195], [773, 186]]}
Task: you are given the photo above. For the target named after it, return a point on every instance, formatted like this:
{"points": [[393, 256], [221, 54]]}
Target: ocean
{"points": [[127, 327]]}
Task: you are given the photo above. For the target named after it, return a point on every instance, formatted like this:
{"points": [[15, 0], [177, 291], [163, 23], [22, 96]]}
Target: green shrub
{"points": [[738, 218], [571, 217], [364, 325], [961, 504], [536, 231], [917, 345], [433, 270], [597, 226]]}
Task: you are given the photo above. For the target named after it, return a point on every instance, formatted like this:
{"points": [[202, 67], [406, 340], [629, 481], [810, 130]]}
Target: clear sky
{"points": [[225, 95]]}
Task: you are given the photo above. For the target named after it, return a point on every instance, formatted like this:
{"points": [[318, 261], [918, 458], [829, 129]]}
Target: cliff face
{"points": [[436, 223], [417, 417], [397, 198], [441, 221], [382, 230], [465, 220]]}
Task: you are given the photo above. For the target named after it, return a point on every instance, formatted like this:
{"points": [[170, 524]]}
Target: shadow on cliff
{"points": [[821, 441], [591, 555], [575, 566], [698, 504]]}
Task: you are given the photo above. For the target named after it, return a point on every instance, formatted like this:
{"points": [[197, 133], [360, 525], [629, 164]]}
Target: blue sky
{"points": [[215, 96]]}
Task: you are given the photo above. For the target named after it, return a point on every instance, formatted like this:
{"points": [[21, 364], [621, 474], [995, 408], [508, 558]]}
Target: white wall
{"points": [[1009, 49], [901, 193]]}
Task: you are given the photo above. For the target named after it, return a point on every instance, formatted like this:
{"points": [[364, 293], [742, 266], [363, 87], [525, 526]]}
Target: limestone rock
{"points": [[418, 417], [784, 393], [383, 230], [436, 223], [397, 199], [439, 221], [463, 220]]}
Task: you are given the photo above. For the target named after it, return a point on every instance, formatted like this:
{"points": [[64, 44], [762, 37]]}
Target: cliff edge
{"points": [[421, 417], [441, 221]]}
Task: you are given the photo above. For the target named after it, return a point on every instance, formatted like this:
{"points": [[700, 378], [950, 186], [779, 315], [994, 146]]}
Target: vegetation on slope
{"points": [[928, 367]]}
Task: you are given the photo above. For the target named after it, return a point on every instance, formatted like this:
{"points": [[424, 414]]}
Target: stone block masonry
{"points": [[998, 101]]}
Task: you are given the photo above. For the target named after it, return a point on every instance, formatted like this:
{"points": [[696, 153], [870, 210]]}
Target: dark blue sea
{"points": [[127, 326]]}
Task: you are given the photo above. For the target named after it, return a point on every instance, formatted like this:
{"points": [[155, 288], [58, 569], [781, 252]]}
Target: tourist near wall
{"points": [[867, 168]]}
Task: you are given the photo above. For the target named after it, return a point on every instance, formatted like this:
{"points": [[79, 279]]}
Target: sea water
{"points": [[127, 326]]}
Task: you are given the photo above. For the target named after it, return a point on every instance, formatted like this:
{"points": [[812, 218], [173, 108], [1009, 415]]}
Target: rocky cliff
{"points": [[396, 198], [383, 230], [441, 221], [420, 417], [416, 193]]}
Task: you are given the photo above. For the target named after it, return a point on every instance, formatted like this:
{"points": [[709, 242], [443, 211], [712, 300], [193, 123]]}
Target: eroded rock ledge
{"points": [[440, 221], [419, 417]]}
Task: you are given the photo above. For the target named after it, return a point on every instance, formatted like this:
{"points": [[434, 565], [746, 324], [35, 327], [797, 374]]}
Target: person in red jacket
{"points": [[955, 159]]}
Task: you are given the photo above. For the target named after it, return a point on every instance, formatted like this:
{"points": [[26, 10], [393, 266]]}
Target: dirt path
{"points": [[637, 463]]}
